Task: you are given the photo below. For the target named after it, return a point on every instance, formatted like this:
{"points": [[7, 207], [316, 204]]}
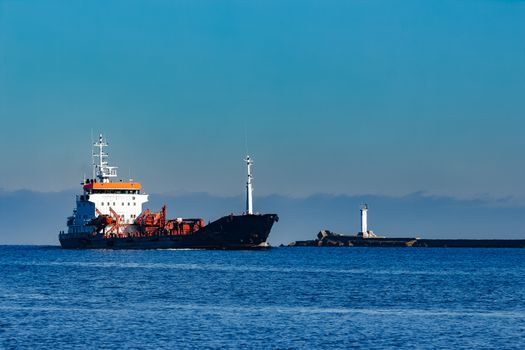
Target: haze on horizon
{"points": [[341, 97]]}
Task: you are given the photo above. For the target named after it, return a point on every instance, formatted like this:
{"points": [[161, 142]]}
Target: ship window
{"points": [[134, 203], [122, 203], [128, 203], [113, 203], [102, 203], [133, 198]]}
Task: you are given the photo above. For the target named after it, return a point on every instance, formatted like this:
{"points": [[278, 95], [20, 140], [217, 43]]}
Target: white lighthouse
{"points": [[249, 189], [364, 220]]}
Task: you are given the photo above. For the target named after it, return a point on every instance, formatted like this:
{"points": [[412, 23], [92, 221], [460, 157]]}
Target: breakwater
{"points": [[326, 238]]}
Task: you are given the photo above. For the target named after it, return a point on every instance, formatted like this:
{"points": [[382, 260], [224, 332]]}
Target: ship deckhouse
{"points": [[122, 201]]}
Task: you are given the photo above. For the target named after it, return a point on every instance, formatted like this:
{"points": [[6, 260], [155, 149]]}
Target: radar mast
{"points": [[102, 170]]}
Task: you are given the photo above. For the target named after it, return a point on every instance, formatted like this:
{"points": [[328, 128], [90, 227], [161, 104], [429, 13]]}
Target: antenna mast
{"points": [[93, 156], [102, 170]]}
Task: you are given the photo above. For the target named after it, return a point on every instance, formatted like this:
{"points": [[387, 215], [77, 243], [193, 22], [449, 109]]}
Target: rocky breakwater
{"points": [[326, 238]]}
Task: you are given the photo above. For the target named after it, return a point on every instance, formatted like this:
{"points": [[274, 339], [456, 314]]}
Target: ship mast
{"points": [[249, 189], [102, 170]]}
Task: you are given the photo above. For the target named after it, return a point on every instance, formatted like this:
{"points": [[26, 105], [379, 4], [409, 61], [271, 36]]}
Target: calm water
{"points": [[283, 298]]}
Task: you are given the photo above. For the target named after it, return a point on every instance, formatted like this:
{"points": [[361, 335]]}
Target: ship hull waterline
{"points": [[233, 232]]}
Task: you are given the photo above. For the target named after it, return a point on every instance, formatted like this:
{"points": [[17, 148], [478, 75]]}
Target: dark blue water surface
{"points": [[282, 298]]}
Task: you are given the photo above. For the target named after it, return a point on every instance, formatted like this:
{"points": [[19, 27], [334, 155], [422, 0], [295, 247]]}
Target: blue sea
{"points": [[284, 298]]}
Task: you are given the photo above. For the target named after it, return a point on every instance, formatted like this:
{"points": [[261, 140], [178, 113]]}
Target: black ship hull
{"points": [[228, 232]]}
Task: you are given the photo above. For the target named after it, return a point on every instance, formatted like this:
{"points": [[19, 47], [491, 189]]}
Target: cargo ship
{"points": [[109, 215]]}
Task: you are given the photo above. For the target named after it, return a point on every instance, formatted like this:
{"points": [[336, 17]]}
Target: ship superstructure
{"points": [[117, 203], [109, 214]]}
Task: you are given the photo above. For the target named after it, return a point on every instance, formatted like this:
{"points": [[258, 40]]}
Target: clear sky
{"points": [[342, 97]]}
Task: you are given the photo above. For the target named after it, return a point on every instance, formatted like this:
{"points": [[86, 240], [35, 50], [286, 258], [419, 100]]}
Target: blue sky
{"points": [[340, 97]]}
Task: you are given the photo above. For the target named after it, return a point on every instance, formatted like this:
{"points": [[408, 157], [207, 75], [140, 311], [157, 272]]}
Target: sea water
{"points": [[283, 298]]}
